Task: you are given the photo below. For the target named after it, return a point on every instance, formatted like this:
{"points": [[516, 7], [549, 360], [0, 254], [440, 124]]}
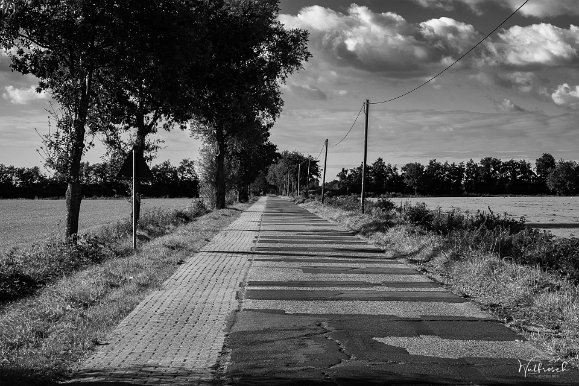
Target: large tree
{"points": [[162, 61], [252, 55], [67, 45]]}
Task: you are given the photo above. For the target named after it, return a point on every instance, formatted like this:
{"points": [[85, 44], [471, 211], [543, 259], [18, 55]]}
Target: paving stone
{"points": [[176, 334]]}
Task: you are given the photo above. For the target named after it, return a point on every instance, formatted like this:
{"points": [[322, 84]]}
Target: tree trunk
{"points": [[140, 142], [243, 193], [220, 170], [74, 187], [73, 200]]}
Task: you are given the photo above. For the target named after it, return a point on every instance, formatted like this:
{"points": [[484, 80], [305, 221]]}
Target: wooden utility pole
{"points": [[299, 175], [324, 179], [362, 195], [308, 178], [134, 199]]}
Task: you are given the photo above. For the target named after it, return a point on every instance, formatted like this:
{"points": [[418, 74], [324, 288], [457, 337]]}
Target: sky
{"points": [[516, 96]]}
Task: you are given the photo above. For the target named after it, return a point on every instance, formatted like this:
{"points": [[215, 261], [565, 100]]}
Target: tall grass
{"points": [[24, 270]]}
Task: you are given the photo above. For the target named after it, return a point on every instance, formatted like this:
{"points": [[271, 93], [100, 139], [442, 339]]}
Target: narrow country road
{"points": [[282, 296], [320, 306]]}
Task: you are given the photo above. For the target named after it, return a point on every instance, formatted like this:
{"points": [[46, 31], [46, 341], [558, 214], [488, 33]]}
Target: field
{"points": [[560, 215], [26, 221]]}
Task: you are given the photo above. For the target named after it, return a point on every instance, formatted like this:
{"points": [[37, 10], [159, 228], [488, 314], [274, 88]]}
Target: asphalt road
{"points": [[321, 306]]}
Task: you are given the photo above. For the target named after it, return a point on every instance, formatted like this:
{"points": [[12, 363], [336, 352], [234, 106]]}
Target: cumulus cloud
{"points": [[382, 42], [506, 105], [566, 96], [534, 46], [532, 9], [22, 96]]}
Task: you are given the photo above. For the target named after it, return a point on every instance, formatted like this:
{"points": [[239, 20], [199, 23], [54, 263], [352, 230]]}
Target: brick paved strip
{"points": [[176, 334]]}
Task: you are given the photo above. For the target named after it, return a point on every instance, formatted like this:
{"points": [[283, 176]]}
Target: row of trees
{"points": [[99, 180], [489, 176], [291, 170], [130, 66]]}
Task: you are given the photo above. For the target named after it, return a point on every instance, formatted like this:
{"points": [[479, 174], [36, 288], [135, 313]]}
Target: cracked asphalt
{"points": [[321, 306]]}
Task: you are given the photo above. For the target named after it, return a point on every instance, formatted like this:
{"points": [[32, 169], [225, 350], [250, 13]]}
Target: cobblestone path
{"points": [[175, 336]]}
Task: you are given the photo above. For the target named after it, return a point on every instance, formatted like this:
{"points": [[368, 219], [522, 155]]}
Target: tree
{"points": [[284, 173], [544, 165], [378, 176], [66, 45], [162, 58], [248, 156], [564, 178], [414, 176], [490, 172], [253, 54]]}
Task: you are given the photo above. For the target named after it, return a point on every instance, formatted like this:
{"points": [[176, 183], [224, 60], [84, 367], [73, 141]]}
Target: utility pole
{"points": [[288, 184], [299, 175], [362, 195], [324, 179], [308, 178]]}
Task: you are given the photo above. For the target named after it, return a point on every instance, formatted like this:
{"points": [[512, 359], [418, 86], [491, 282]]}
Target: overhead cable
{"points": [[353, 124], [456, 61]]}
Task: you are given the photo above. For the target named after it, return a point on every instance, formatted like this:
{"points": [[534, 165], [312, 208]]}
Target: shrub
{"points": [[384, 204], [417, 214]]}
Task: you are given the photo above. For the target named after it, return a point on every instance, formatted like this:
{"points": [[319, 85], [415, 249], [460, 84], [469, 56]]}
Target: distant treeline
{"points": [[99, 180], [489, 176]]}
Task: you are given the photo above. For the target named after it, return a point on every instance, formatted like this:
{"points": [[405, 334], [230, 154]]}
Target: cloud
{"points": [[307, 91], [537, 9], [383, 43], [507, 106], [534, 46], [22, 96], [565, 96]]}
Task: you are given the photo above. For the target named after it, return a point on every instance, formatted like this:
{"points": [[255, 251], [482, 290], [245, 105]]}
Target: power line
{"points": [[321, 150], [353, 124], [456, 61]]}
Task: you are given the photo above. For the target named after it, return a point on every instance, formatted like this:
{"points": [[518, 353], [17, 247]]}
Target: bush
{"points": [[384, 205], [417, 214]]}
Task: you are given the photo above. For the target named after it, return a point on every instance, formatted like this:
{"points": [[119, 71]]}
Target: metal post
{"points": [[324, 179], [299, 174], [308, 178], [362, 195], [134, 199]]}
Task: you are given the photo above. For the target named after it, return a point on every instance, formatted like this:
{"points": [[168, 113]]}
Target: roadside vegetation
{"points": [[59, 300], [528, 278]]}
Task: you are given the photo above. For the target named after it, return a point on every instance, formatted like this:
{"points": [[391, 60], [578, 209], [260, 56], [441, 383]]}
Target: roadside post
{"points": [[363, 193], [299, 175], [308, 178], [324, 179], [134, 168]]}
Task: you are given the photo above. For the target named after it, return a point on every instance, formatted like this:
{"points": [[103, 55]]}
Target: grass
{"points": [[43, 336], [24, 221], [505, 268]]}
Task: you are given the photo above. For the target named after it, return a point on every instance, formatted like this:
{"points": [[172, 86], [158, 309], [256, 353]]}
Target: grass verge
{"points": [[43, 336], [540, 303]]}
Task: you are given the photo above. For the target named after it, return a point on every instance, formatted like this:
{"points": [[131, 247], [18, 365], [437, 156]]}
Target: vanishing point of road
{"points": [[283, 296]]}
